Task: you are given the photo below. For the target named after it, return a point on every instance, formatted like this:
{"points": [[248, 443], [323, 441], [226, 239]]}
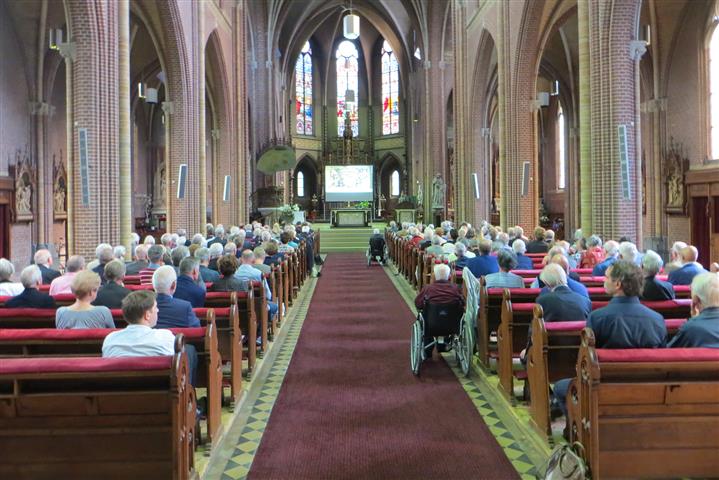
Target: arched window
{"points": [[714, 93], [303, 91], [561, 149], [394, 184], [390, 91], [300, 184], [347, 86]]}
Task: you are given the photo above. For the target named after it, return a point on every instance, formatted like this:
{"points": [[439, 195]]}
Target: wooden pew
{"points": [[240, 321], [51, 342], [646, 413], [259, 306], [513, 331], [91, 418], [553, 356]]}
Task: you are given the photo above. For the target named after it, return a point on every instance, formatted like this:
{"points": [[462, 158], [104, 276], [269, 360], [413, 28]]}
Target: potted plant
{"points": [[287, 213]]}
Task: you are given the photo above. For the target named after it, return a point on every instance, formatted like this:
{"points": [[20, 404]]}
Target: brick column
{"points": [[463, 201], [202, 120], [509, 201], [125, 178], [95, 216], [585, 139], [613, 105], [243, 171]]}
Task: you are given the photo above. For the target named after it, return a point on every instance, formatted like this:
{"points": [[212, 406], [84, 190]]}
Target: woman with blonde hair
{"points": [[82, 314]]}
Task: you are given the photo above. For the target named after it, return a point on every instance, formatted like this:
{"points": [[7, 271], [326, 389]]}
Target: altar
{"points": [[350, 217]]}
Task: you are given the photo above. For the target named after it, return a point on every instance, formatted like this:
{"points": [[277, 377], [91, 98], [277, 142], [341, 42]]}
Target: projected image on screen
{"points": [[348, 183]]}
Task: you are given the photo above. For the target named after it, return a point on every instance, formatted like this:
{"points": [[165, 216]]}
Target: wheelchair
{"points": [[377, 251], [449, 322]]}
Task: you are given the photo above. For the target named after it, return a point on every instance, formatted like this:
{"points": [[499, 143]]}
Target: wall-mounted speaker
{"points": [[181, 181], [476, 186], [525, 178], [84, 166], [624, 162], [226, 190]]}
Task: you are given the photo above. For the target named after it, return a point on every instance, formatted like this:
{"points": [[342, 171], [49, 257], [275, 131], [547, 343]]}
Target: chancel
{"points": [[371, 239]]}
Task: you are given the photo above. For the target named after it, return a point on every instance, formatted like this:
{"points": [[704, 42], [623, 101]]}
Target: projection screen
{"points": [[348, 183]]}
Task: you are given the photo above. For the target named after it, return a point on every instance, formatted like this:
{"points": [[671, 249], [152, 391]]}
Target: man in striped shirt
{"points": [[155, 255]]}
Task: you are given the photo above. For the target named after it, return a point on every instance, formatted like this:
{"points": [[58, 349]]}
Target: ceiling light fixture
{"points": [[351, 24]]}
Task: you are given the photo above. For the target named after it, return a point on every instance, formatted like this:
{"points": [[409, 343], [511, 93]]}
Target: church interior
{"points": [[304, 187]]}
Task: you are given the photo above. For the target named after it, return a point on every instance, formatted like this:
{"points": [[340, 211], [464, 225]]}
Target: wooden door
{"points": [[701, 219], [4, 231]]}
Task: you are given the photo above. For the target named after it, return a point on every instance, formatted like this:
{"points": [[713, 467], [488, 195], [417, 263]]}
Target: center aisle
{"points": [[349, 407]]}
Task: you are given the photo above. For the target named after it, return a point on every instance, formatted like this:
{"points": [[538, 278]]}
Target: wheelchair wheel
{"points": [[463, 351], [416, 347]]}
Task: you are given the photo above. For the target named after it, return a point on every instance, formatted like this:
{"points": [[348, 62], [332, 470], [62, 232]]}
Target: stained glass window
{"points": [[714, 92], [300, 184], [303, 91], [390, 91], [562, 163], [394, 184], [347, 86]]}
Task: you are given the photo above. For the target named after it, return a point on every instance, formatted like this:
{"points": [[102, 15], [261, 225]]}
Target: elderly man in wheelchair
{"points": [[440, 322], [377, 249]]}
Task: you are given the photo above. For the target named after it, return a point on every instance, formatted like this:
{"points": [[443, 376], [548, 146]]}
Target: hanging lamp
{"points": [[351, 24]]}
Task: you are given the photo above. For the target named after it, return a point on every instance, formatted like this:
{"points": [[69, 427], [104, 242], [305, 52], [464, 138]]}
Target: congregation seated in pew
{"points": [[689, 269], [8, 288], [63, 284], [504, 278], [227, 266], [654, 288], [702, 330]]}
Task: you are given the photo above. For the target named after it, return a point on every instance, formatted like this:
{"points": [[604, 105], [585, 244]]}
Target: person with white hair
{"points": [[690, 267], [105, 254], [149, 241], [43, 259], [63, 284], [198, 239], [520, 248], [611, 255], [654, 289], [216, 250], [549, 237], [558, 301], [460, 256], [440, 292], [629, 252], [202, 254], [113, 292], [8, 288], [140, 261], [675, 256], [172, 312], [435, 247], [703, 329], [31, 296], [219, 236], [119, 252]]}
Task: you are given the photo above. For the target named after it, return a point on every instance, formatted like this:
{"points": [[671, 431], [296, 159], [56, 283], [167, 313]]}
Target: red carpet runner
{"points": [[349, 406]]}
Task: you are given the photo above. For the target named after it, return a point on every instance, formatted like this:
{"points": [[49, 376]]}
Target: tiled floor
{"points": [[233, 458]]}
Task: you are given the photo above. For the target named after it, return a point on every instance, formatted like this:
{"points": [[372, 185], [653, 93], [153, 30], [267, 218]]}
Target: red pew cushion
{"points": [[658, 355], [194, 333], [523, 307], [568, 326], [15, 366], [219, 312], [27, 312], [54, 334]]}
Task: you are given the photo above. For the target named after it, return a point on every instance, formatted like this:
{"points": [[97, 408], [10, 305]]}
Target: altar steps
{"points": [[346, 239]]}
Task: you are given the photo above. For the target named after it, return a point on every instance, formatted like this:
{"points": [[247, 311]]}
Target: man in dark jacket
{"points": [[31, 297], [140, 261], [172, 312], [113, 292], [655, 289], [43, 259], [483, 264], [703, 329], [689, 269], [538, 245], [187, 288]]}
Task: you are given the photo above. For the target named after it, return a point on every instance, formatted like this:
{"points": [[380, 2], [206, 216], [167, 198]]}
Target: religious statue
{"points": [[24, 185], [420, 194], [438, 192], [59, 199], [347, 137], [160, 188], [675, 164]]}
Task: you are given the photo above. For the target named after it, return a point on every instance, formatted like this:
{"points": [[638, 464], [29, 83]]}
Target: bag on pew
{"points": [[565, 464]]}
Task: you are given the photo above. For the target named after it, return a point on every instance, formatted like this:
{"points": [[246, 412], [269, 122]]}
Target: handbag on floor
{"points": [[565, 464]]}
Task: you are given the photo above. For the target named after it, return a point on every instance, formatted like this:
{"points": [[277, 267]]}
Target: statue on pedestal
{"points": [[438, 192], [24, 185]]}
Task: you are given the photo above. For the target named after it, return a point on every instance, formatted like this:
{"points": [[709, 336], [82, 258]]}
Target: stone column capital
{"points": [[168, 108], [637, 49], [67, 50]]}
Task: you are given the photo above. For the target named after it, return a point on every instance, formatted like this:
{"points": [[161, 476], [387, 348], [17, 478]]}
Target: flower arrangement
{"points": [[287, 212], [362, 205]]}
